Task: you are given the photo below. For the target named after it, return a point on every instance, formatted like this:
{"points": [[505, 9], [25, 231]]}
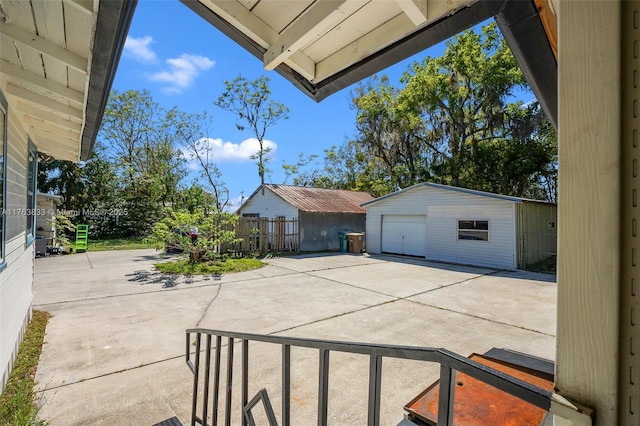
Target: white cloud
{"points": [[139, 49], [182, 71], [221, 152]]}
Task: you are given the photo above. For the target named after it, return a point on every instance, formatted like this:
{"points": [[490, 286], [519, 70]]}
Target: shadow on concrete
{"points": [[144, 277], [445, 266]]}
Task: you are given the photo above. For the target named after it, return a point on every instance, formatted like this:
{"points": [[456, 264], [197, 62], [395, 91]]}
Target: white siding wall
{"points": [[443, 208], [269, 206], [16, 280]]}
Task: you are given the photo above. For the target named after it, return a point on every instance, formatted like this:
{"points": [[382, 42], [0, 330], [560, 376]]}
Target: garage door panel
{"points": [[404, 234]]}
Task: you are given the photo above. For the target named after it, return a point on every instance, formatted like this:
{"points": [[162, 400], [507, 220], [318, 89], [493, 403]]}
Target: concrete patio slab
{"points": [[383, 276], [114, 351]]}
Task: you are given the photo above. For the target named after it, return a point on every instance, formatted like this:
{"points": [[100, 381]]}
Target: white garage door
{"points": [[404, 235]]}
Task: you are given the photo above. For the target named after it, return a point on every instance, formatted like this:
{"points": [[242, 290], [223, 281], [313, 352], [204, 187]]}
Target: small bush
{"points": [[212, 267]]}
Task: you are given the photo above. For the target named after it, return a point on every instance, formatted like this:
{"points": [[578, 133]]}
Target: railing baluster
{"points": [[245, 376], [446, 396], [227, 415], [286, 385], [216, 382], [207, 371], [375, 384], [196, 371], [450, 364], [323, 388]]}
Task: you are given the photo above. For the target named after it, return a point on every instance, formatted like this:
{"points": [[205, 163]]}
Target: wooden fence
{"points": [[266, 235]]}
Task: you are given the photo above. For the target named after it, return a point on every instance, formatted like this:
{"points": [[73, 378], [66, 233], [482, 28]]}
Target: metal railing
{"points": [[450, 363]]}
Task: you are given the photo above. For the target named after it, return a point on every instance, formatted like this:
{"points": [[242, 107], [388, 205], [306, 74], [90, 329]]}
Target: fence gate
{"points": [[268, 235]]}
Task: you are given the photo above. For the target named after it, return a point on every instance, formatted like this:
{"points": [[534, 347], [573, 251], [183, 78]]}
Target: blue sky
{"points": [[183, 61]]}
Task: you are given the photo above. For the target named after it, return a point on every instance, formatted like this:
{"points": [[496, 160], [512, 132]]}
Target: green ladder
{"points": [[82, 234]]}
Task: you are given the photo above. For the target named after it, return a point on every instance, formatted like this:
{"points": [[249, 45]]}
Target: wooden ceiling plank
{"points": [[72, 131], [241, 18], [45, 47], [40, 114], [18, 12], [416, 10], [373, 41], [310, 26], [438, 9], [50, 21], [72, 143], [43, 101], [16, 72], [57, 149], [85, 6]]}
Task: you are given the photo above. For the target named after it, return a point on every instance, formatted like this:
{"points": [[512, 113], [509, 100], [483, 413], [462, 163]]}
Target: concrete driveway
{"points": [[114, 351]]}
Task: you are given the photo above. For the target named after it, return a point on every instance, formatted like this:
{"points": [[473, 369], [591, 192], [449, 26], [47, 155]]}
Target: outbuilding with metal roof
{"points": [[458, 225], [320, 213]]}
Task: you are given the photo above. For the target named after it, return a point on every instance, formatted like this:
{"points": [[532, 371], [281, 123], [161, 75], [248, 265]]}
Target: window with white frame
{"points": [[32, 172], [474, 230]]}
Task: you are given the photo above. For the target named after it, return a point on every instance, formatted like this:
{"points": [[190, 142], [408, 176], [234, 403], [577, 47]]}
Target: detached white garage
{"points": [[450, 224]]}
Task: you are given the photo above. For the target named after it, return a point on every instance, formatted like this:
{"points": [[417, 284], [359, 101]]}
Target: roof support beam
{"points": [[416, 10], [14, 71], [43, 101], [310, 26], [45, 47]]}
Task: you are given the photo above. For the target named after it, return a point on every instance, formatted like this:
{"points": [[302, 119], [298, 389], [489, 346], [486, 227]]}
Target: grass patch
{"points": [[131, 243], [17, 405], [183, 267], [545, 266]]}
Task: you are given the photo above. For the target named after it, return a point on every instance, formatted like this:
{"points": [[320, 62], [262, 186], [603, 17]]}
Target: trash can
{"points": [[356, 241], [342, 236]]}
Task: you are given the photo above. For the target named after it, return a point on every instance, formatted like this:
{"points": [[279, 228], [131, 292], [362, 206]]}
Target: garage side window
{"points": [[476, 230]]}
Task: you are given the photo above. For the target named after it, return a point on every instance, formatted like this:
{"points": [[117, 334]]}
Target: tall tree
{"points": [[250, 102], [193, 134], [138, 138], [457, 121], [65, 178]]}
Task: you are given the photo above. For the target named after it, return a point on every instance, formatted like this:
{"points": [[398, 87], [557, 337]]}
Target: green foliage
{"points": [[130, 243], [193, 132], [249, 101], [136, 170], [17, 405], [454, 121], [64, 229], [222, 266], [215, 230]]}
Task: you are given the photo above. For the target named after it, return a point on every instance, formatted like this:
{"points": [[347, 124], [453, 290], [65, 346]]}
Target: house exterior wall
{"points": [[319, 231], [443, 208], [267, 204], [537, 232], [16, 278]]}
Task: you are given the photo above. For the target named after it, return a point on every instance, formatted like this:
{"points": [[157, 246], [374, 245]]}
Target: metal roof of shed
{"points": [[320, 200]]}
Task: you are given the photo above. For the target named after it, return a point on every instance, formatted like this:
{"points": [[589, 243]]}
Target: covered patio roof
{"points": [[325, 46], [57, 61]]}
